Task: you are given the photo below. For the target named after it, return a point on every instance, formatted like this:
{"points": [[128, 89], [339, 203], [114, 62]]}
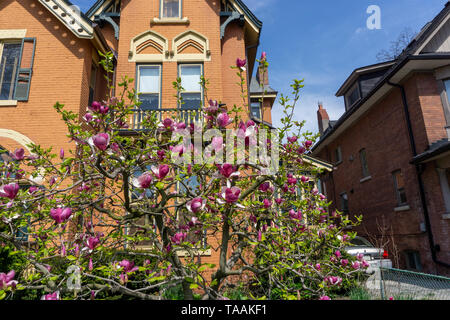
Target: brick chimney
{"points": [[323, 119], [262, 76]]}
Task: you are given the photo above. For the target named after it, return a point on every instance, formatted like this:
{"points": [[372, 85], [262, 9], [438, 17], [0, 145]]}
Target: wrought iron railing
{"points": [[188, 115]]}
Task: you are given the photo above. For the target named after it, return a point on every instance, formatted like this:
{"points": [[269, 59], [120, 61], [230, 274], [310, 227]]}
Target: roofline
{"points": [[394, 69], [429, 155], [94, 8], [363, 70], [324, 164], [249, 13]]}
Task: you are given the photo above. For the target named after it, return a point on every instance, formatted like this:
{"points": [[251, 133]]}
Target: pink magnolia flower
{"points": [[6, 280], [308, 144], [356, 265], [317, 266], [61, 153], [344, 262], [359, 256], [365, 264], [95, 106], [128, 266], [92, 242], [179, 237], [213, 107], [217, 143], [51, 296], [279, 201], [115, 147], [263, 55], [241, 63], [167, 123], [103, 109], [90, 265], [267, 203], [195, 205], [60, 214], [264, 187], [101, 141], [259, 235], [333, 280], [223, 120], [19, 154], [9, 191], [337, 254], [231, 195], [324, 298], [161, 171], [145, 180], [292, 181], [32, 189], [227, 170], [304, 179], [292, 139], [88, 117]]}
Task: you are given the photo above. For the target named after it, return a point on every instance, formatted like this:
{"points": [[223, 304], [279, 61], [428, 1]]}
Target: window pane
{"points": [[191, 100], [190, 78], [171, 8], [150, 101], [256, 110], [365, 168], [149, 79], [9, 65], [447, 88]]}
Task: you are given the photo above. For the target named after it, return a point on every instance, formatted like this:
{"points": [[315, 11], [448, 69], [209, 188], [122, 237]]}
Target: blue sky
{"points": [[323, 41]]}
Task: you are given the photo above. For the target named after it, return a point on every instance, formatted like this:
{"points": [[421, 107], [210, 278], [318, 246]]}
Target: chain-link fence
{"points": [[407, 285]]}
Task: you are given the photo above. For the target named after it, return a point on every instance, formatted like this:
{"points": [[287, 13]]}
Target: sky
{"points": [[323, 41]]}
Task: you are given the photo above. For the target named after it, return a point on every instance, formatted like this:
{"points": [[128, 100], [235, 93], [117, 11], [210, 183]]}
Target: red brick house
{"points": [[391, 150], [48, 53]]}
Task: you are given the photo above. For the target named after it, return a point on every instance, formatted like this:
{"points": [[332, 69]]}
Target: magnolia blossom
{"points": [[223, 120], [92, 242], [144, 181], [51, 296], [213, 107], [101, 141], [128, 266], [19, 154], [61, 153], [227, 170], [325, 298], [195, 205], [95, 106], [333, 280], [179, 237], [6, 280], [241, 64], [9, 191], [356, 265], [217, 143], [231, 195], [344, 262], [292, 139], [161, 171], [60, 214], [295, 215], [267, 203]]}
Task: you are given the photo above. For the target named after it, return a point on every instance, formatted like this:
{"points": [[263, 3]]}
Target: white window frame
{"points": [[138, 83], [161, 11], [2, 43], [180, 65]]}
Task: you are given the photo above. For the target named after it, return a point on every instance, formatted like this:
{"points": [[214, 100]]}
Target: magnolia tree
{"points": [[133, 213]]}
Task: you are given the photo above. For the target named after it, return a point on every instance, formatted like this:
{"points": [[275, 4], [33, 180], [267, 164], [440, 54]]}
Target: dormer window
{"points": [[352, 96], [171, 9]]}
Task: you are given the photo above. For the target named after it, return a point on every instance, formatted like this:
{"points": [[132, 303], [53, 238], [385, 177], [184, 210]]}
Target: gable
{"points": [[440, 41]]}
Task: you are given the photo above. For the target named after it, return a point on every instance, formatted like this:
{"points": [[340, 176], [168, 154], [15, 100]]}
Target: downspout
{"points": [[419, 171]]}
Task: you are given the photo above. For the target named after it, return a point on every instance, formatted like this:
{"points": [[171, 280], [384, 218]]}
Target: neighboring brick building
{"points": [[50, 54], [391, 150]]}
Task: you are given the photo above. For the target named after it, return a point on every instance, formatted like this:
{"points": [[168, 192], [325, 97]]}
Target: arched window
{"points": [[148, 46]]}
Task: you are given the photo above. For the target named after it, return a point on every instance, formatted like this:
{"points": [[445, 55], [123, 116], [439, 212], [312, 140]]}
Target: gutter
{"points": [[389, 74], [419, 171]]}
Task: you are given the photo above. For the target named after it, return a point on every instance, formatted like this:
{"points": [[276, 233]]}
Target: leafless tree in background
{"points": [[397, 46]]}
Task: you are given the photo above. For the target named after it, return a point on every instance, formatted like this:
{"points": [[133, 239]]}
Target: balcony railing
{"points": [[188, 115]]}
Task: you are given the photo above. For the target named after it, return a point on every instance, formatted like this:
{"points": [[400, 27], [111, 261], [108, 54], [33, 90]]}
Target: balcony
{"points": [[188, 115]]}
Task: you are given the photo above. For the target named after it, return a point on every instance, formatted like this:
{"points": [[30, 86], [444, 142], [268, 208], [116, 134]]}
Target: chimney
{"points": [[262, 76], [323, 119]]}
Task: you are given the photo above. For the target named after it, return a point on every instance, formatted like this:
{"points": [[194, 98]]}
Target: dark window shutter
{"points": [[23, 80]]}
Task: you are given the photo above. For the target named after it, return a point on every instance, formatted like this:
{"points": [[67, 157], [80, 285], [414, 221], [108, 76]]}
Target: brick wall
{"points": [[382, 131]]}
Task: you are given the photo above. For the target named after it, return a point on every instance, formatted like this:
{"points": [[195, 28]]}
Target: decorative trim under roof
{"points": [[70, 16]]}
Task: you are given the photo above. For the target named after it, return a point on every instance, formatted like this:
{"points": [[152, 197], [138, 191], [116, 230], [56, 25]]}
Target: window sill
{"points": [[446, 216], [8, 103], [402, 208], [365, 179], [338, 163], [170, 21], [184, 253]]}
